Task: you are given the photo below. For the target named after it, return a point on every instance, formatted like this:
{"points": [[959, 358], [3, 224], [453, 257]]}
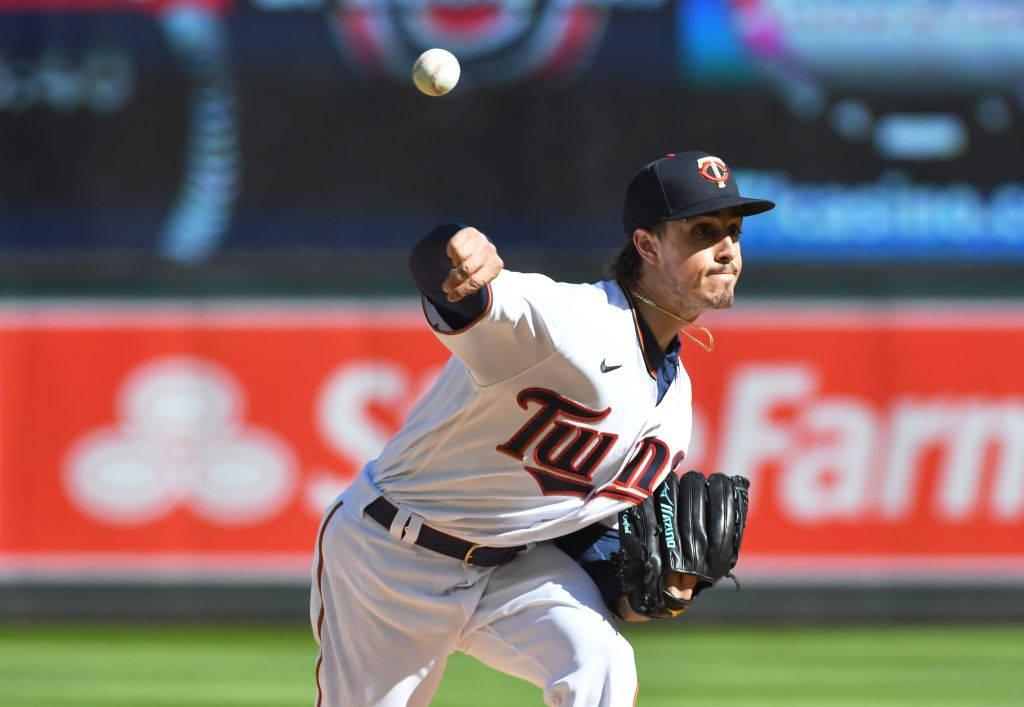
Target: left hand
{"points": [[681, 585], [678, 585]]}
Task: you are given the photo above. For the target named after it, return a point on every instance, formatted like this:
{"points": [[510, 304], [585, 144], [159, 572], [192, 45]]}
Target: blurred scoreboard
{"points": [[188, 128]]}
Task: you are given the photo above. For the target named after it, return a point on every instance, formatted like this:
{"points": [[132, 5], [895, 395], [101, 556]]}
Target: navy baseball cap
{"points": [[683, 185]]}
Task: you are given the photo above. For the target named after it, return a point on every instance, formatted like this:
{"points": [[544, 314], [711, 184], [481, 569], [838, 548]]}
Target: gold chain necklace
{"points": [[706, 346]]}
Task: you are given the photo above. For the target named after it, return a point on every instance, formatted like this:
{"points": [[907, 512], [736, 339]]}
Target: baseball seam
{"points": [[433, 78]]}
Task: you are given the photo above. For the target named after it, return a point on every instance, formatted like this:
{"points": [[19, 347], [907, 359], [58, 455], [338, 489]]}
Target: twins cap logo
{"points": [[714, 170]]}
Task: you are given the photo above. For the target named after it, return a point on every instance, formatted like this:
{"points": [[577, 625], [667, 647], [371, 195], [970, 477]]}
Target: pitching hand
{"points": [[475, 262]]}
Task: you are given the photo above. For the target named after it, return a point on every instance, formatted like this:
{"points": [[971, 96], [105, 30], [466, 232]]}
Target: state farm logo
{"points": [[181, 442], [841, 458], [495, 40]]}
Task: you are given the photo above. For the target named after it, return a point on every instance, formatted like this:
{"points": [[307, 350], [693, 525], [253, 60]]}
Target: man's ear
{"points": [[647, 245]]}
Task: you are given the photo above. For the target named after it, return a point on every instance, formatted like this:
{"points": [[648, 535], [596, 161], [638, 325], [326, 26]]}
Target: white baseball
{"points": [[436, 72]]}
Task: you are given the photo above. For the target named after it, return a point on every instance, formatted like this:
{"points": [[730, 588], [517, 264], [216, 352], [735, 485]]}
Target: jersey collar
{"points": [[654, 357]]}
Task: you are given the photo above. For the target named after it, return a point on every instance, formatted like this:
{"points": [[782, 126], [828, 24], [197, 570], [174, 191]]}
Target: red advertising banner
{"points": [[207, 439]]}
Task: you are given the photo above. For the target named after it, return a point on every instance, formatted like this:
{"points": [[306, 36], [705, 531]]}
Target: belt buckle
{"points": [[468, 559]]}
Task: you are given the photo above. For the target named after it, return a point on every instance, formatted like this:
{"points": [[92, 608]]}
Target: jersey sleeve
{"points": [[498, 332], [514, 322], [524, 322]]}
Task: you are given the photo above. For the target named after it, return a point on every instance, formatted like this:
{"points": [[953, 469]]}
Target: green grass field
{"points": [[187, 665]]}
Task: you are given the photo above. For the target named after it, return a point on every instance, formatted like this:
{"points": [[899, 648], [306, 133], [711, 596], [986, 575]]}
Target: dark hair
{"points": [[625, 266]]}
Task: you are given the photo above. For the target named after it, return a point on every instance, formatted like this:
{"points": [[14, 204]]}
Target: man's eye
{"points": [[704, 232]]}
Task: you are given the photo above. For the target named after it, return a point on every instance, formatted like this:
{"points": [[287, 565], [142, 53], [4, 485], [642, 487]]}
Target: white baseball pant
{"points": [[387, 614]]}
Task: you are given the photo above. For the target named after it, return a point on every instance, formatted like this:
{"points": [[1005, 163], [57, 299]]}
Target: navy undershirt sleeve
{"points": [[429, 264], [592, 547], [598, 562]]}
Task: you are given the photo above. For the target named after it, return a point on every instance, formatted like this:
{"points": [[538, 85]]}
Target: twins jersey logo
{"points": [[714, 170], [495, 41], [566, 454]]}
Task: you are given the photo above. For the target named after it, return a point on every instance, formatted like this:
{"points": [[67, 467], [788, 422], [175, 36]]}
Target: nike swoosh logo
{"points": [[605, 368]]}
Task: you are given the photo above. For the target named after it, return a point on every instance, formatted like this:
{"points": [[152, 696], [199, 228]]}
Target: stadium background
{"points": [[206, 322]]}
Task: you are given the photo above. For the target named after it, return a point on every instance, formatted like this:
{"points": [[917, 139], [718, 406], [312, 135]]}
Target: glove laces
{"points": [[735, 580]]}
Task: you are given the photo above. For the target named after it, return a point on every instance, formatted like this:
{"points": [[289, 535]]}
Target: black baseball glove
{"points": [[691, 525]]}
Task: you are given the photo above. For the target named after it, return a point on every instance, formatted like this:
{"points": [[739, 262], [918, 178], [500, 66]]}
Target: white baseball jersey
{"points": [[544, 420]]}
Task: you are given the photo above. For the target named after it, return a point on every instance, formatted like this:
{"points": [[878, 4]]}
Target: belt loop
{"points": [[397, 528], [412, 531]]}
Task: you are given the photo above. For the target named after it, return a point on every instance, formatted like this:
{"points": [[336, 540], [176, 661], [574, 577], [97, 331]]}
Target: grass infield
{"points": [[188, 665]]}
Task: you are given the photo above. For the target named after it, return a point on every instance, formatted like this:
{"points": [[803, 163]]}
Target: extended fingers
{"points": [[681, 585], [460, 283], [470, 264], [475, 262]]}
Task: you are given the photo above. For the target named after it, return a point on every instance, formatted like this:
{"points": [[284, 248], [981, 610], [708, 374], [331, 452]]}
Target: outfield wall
{"points": [[193, 444]]}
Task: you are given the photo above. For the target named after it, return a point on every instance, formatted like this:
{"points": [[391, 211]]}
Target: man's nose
{"points": [[727, 249]]}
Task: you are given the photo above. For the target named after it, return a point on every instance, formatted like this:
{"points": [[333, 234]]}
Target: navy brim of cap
{"points": [[748, 207]]}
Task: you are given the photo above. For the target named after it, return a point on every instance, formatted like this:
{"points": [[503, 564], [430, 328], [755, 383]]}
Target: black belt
{"points": [[383, 511]]}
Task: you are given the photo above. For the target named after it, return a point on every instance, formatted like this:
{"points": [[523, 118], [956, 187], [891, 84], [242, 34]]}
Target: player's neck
{"points": [[663, 328], [665, 323]]}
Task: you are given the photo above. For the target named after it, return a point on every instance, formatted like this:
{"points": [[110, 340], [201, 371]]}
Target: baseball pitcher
{"points": [[537, 492]]}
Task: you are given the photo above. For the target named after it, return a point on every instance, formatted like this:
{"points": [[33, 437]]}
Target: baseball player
{"points": [[561, 405]]}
